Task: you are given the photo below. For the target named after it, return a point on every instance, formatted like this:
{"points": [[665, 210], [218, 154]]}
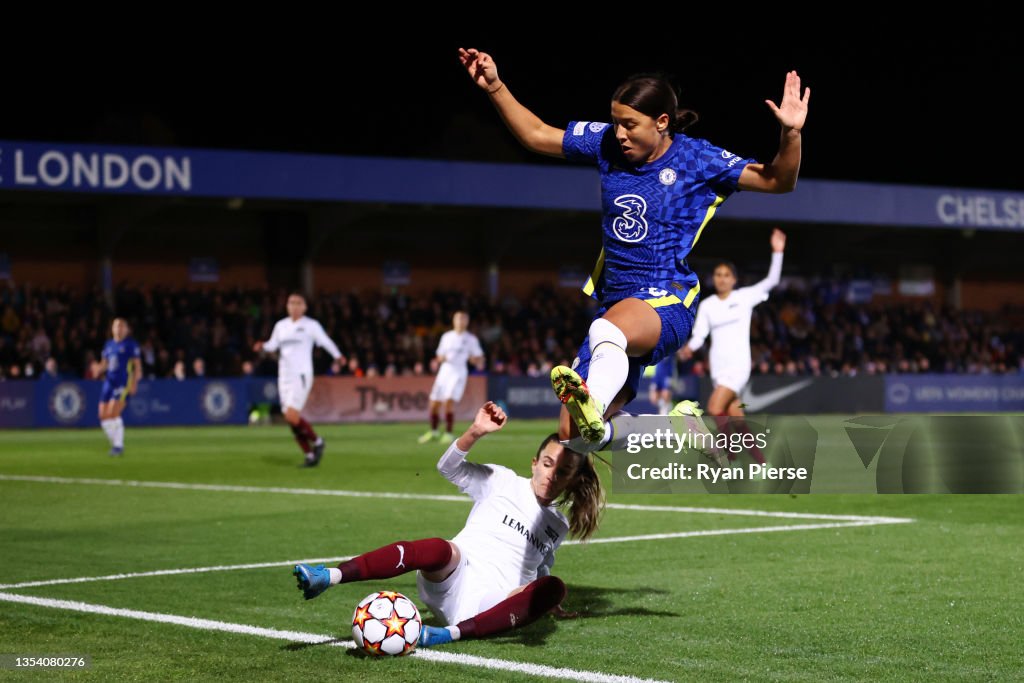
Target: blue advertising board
{"points": [[954, 393], [126, 170]]}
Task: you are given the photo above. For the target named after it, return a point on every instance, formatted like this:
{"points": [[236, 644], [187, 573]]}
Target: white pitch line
{"points": [[756, 513], [426, 496], [315, 638], [726, 532], [613, 539], [171, 572]]}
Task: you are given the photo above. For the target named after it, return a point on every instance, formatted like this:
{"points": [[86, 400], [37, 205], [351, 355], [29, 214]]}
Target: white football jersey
{"points": [[457, 348], [507, 531], [728, 321], [295, 339]]}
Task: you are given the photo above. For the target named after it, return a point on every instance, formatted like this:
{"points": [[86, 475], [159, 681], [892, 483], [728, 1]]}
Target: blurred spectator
{"points": [[50, 370], [179, 370], [815, 332]]}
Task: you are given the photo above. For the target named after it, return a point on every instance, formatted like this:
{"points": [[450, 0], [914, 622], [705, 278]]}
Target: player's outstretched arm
{"points": [[531, 132], [490, 418], [780, 175]]}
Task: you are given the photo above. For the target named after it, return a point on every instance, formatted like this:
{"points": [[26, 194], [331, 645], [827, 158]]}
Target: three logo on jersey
{"points": [[632, 226]]}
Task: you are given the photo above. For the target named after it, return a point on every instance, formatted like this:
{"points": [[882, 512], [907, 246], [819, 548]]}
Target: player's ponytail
{"points": [[654, 95], [586, 500]]}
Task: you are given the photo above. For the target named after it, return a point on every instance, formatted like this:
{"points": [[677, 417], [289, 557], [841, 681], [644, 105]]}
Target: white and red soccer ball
{"points": [[386, 623]]}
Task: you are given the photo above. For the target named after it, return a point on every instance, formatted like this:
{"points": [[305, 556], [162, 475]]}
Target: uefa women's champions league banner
{"points": [[116, 169], [166, 402], [385, 399]]}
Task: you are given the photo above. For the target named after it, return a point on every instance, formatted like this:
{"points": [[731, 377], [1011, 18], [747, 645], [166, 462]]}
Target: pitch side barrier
{"points": [[72, 403]]}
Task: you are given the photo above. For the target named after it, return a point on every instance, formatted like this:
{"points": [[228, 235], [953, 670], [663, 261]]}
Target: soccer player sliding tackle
{"points": [[495, 574]]}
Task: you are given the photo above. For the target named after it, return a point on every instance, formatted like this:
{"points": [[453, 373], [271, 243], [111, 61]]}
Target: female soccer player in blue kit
{"points": [[659, 189], [123, 366]]}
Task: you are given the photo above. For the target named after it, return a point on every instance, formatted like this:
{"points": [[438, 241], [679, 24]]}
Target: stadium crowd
{"points": [[188, 332]]}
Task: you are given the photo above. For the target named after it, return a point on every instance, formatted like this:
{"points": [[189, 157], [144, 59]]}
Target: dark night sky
{"points": [[884, 107]]}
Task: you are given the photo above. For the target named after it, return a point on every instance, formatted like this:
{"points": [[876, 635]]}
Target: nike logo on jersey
{"points": [[401, 557], [756, 402]]}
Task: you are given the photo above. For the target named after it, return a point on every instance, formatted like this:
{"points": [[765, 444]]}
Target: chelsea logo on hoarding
{"points": [[217, 401], [67, 403]]}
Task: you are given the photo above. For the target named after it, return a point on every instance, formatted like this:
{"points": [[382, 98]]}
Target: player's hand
{"points": [[257, 347], [132, 389], [481, 68], [778, 240], [792, 113], [336, 367], [490, 418], [562, 614], [685, 353]]}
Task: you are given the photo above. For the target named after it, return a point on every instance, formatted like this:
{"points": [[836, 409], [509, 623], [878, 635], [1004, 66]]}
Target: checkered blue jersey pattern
{"points": [[653, 214], [117, 354]]}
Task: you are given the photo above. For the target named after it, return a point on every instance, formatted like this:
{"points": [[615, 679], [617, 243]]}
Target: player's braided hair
{"points": [[583, 497], [653, 94]]}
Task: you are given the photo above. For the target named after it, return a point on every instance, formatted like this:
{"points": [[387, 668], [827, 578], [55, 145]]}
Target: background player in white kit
{"points": [[457, 346], [294, 338], [495, 574], [726, 317]]}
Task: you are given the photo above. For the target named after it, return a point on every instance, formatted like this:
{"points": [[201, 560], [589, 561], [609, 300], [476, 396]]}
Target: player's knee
{"points": [[604, 331], [551, 590]]}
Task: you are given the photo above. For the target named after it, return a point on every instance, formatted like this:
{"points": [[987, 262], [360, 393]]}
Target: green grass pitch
{"points": [[935, 599]]}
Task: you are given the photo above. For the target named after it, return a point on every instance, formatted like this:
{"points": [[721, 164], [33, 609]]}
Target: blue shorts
{"points": [[676, 323], [111, 392]]}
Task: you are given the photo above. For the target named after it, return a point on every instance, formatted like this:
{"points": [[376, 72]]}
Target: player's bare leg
{"points": [[736, 408], [720, 400]]}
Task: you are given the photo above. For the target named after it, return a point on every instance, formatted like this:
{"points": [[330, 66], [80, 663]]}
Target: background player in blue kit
{"points": [[661, 384], [659, 189], [121, 361]]}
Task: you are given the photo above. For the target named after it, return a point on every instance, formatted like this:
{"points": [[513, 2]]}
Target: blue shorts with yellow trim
{"points": [[110, 392], [677, 315]]}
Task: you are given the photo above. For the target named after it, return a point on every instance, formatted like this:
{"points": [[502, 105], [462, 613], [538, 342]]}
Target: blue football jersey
{"points": [[653, 214], [117, 354]]}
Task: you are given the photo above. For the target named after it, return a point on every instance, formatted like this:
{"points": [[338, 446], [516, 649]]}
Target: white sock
{"points": [[118, 430], [335, 575], [609, 365], [108, 429], [455, 631], [664, 407]]}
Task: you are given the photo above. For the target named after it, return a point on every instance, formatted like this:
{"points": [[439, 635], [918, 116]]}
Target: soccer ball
{"points": [[386, 623]]}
